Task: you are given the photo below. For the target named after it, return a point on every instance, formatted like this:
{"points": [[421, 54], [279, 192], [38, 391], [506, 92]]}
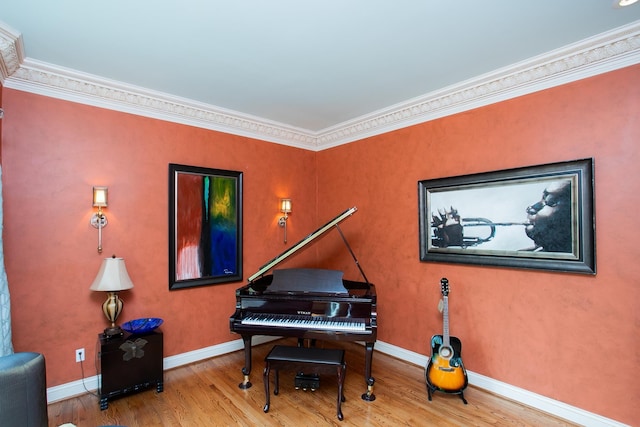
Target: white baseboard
{"points": [[537, 401], [90, 384]]}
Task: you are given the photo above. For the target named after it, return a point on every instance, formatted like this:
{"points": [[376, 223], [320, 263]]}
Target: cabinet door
{"points": [[130, 363]]}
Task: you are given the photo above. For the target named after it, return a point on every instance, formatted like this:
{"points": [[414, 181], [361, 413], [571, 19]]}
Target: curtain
{"points": [[6, 347]]}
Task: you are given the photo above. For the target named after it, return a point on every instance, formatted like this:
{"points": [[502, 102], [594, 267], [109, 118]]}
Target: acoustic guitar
{"points": [[445, 371]]}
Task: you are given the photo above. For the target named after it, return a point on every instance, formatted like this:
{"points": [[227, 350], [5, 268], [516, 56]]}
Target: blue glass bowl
{"points": [[142, 326]]}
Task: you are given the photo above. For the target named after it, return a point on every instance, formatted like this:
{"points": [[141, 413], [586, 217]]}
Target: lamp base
{"points": [[113, 332]]}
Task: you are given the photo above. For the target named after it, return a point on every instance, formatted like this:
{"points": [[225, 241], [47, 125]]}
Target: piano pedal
{"points": [[307, 382]]}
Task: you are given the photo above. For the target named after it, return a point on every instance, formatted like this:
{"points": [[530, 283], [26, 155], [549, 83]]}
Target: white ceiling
{"points": [[309, 67]]}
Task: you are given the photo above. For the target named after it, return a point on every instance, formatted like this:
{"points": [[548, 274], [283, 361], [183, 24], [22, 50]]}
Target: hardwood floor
{"points": [[207, 394]]}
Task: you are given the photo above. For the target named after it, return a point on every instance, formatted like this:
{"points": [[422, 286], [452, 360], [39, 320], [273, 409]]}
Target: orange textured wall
{"points": [[574, 338], [54, 152], [1, 124]]}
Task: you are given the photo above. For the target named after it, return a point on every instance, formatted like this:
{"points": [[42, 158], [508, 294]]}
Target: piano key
{"points": [[292, 321]]}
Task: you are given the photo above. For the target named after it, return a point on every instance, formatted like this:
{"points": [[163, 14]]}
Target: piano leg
{"points": [[245, 384], [368, 396]]}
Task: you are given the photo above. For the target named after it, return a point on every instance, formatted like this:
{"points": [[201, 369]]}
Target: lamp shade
{"points": [[100, 197], [112, 276], [285, 206]]}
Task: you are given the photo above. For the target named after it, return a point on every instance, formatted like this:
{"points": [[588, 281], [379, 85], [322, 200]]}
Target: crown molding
{"points": [[11, 51], [605, 52], [57, 82]]}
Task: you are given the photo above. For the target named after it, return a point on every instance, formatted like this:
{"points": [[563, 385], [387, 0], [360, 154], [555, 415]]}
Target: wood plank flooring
{"points": [[206, 393]]}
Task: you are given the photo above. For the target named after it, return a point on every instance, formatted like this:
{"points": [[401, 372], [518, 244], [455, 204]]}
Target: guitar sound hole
{"points": [[446, 352]]}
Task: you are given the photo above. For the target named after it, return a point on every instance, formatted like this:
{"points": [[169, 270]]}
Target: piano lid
{"points": [[302, 243], [307, 281]]}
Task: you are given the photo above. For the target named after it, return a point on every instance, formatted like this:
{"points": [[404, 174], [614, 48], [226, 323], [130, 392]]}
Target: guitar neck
{"points": [[445, 321]]}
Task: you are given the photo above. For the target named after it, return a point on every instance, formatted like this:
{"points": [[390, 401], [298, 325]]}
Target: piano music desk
{"points": [[298, 358]]}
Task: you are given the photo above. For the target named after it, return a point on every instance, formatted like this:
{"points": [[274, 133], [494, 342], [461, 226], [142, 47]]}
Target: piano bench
{"points": [[320, 360]]}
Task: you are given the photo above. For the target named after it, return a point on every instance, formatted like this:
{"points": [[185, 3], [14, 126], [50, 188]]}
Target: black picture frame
{"points": [[205, 226], [461, 217]]}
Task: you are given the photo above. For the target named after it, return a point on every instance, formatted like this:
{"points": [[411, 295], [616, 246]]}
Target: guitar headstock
{"points": [[444, 286]]}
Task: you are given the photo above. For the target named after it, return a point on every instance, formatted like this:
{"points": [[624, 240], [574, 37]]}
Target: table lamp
{"points": [[112, 278]]}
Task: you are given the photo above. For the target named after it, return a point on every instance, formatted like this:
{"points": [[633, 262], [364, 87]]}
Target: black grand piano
{"points": [[310, 304]]}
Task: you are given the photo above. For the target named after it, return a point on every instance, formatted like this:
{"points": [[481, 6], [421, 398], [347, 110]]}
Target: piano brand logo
{"points": [[308, 313]]}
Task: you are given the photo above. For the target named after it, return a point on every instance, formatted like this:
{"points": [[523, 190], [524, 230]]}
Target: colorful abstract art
{"points": [[205, 226]]}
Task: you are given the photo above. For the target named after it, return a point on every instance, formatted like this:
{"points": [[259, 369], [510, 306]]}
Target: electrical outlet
{"points": [[80, 355]]}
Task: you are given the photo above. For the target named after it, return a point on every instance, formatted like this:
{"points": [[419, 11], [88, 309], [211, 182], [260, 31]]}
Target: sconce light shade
{"points": [[112, 278], [285, 206], [100, 197]]}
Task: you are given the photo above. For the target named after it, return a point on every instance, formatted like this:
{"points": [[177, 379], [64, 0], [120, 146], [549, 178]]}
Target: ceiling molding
{"points": [[11, 51], [599, 54], [596, 55]]}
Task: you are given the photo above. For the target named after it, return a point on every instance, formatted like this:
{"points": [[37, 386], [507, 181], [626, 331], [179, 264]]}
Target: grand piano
{"points": [[310, 304]]}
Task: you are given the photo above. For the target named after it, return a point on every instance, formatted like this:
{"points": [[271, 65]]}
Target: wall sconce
{"points": [[99, 219], [285, 208], [112, 278]]}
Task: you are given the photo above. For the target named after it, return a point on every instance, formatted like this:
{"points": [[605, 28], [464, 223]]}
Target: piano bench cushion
{"points": [[317, 356]]}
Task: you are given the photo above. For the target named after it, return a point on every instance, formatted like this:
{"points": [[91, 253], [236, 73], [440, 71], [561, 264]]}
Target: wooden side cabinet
{"points": [[128, 364]]}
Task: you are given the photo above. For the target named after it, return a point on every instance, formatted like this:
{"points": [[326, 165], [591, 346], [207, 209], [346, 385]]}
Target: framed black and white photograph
{"points": [[538, 217], [205, 226]]}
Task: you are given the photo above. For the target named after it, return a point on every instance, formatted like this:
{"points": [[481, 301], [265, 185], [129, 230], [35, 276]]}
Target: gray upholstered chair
{"points": [[23, 390]]}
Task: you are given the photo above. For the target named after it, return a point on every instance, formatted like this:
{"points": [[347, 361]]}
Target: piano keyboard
{"points": [[305, 322]]}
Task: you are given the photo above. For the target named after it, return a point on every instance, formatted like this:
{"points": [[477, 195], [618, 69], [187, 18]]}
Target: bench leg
{"points": [[265, 377]]}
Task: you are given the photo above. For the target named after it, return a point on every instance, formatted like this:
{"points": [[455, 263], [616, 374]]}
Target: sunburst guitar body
{"points": [[445, 371]]}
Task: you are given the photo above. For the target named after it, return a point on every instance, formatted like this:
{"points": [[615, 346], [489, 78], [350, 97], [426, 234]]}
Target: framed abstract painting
{"points": [[205, 226]]}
